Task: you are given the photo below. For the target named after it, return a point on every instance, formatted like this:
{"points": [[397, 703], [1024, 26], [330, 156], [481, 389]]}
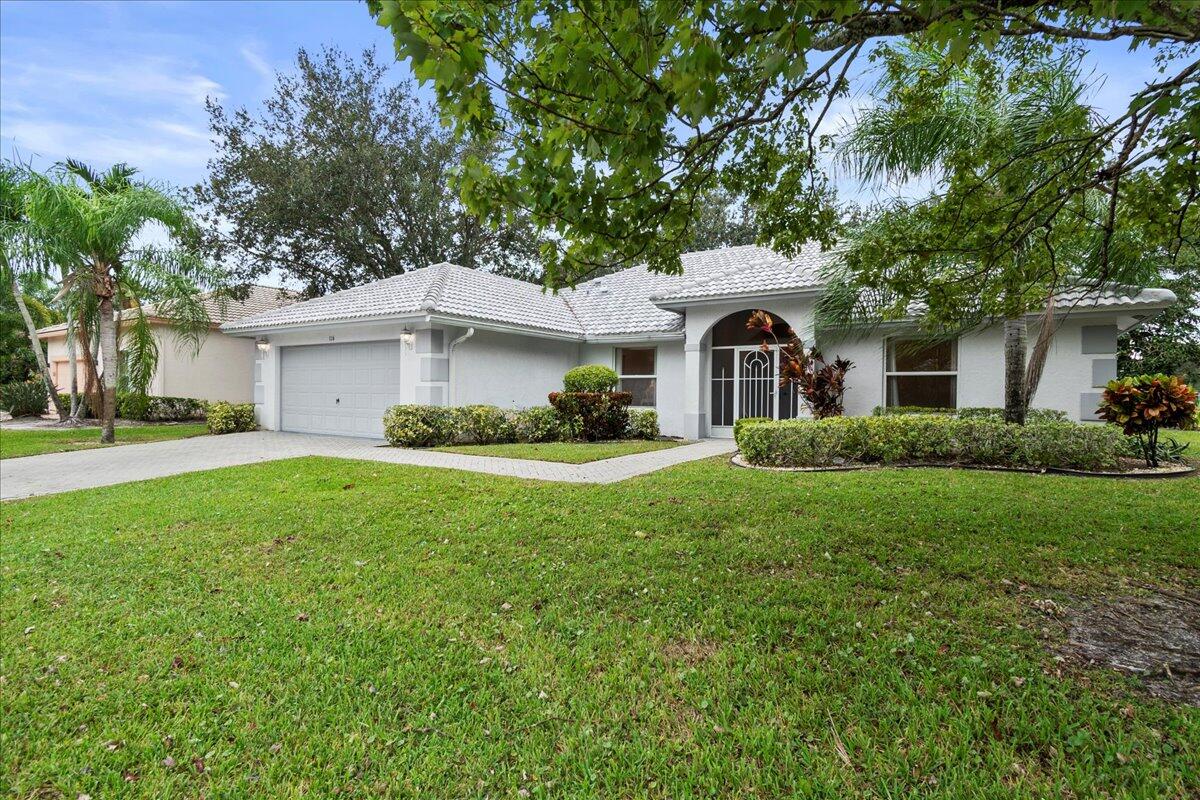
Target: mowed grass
{"points": [[317, 627], [17, 442], [568, 452]]}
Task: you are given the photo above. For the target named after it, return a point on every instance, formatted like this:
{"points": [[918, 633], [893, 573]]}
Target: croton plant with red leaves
{"points": [[1145, 404], [819, 384]]}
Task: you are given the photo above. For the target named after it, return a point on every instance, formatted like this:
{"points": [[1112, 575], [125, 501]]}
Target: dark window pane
{"points": [[721, 401], [637, 362], [731, 331], [929, 391], [911, 355], [642, 390]]}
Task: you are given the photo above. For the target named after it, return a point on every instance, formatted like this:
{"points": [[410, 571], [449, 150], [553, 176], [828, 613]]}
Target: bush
{"points": [[133, 405], [230, 418], [590, 378], [744, 421], [175, 409], [596, 415], [24, 398], [888, 411], [930, 438], [420, 426], [486, 425], [542, 424], [1034, 416], [643, 424], [1144, 404]]}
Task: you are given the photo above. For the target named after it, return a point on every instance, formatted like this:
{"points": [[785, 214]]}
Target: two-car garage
{"points": [[340, 389]]}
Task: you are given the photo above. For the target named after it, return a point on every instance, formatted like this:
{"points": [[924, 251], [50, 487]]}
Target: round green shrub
{"points": [[486, 425], [542, 424], [24, 398], [230, 417], [643, 423], [590, 378], [420, 426], [133, 405]]}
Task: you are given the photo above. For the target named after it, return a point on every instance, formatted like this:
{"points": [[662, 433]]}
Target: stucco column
{"points": [[695, 424]]}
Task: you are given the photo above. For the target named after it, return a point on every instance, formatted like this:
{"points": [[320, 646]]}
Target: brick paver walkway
{"points": [[86, 469]]}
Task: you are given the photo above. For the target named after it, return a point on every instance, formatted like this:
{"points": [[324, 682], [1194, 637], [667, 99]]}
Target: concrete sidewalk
{"points": [[52, 473]]}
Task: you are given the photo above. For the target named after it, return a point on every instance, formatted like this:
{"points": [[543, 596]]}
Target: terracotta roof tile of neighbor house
{"points": [[220, 309]]}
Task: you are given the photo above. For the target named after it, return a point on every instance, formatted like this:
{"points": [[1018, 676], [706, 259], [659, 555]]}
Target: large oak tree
{"points": [[345, 177], [618, 118]]}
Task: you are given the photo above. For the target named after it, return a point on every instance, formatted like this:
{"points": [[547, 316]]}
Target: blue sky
{"points": [[126, 81]]}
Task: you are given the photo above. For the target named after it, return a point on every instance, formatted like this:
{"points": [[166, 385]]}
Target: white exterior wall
{"points": [[1071, 381], [508, 370]]}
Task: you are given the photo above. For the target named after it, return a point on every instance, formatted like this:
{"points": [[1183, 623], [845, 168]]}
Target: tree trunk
{"points": [[1040, 351], [108, 374], [36, 344], [1015, 340], [71, 345]]}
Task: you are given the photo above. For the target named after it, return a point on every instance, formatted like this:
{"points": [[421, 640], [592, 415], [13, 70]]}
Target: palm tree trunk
{"points": [[71, 347], [36, 344], [1040, 351], [1015, 340], [108, 374]]}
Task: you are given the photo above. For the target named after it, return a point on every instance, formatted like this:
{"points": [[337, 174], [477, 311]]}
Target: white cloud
{"points": [[252, 54]]}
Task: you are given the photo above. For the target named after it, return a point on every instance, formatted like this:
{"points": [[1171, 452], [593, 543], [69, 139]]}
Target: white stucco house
{"points": [[445, 335], [222, 368]]}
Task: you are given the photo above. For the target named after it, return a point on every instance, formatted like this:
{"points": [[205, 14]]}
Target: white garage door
{"points": [[339, 388]]}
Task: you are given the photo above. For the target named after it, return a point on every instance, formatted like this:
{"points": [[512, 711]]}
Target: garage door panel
{"points": [[339, 388]]}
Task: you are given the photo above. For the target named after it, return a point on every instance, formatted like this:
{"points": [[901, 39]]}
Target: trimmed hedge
{"points": [[24, 398], [230, 418], [150, 408], [643, 424], [486, 424], [598, 416], [420, 426], [929, 438], [543, 424], [1034, 416], [590, 378]]}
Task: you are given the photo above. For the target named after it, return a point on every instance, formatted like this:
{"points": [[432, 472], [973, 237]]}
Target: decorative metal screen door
{"points": [[756, 383]]}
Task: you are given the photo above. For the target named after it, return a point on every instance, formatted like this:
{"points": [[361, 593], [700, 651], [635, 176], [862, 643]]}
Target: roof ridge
{"points": [[434, 293]]}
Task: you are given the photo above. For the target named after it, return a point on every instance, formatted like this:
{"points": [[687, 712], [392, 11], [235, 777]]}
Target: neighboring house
{"points": [[445, 335], [221, 370]]}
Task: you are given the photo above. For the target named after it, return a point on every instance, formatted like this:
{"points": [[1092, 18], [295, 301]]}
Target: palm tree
{"points": [[22, 254], [993, 239], [94, 223]]}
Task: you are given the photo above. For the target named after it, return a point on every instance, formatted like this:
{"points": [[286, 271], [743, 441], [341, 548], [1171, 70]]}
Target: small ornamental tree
{"points": [[1145, 404], [819, 384]]}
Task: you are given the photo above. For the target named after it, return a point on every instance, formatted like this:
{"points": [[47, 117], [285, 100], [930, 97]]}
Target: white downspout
{"points": [[453, 398]]}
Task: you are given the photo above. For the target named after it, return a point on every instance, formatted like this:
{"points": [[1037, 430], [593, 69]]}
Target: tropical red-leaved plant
{"points": [[819, 384], [1145, 404]]}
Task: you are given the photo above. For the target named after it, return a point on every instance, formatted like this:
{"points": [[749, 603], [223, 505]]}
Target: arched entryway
{"points": [[744, 379]]}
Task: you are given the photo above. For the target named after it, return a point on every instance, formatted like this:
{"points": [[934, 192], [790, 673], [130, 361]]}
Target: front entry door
{"points": [[745, 383]]}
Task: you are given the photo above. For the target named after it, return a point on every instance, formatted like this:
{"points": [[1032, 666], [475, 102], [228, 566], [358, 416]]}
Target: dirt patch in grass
{"points": [[1156, 638], [689, 652]]}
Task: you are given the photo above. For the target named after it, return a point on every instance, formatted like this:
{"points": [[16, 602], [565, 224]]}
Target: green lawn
{"points": [[317, 627], [569, 452], [16, 442]]}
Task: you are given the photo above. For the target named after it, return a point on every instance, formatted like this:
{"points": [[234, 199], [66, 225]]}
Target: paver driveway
{"points": [[86, 469]]}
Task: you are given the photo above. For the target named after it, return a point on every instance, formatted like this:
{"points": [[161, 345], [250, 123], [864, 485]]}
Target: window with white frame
{"points": [[919, 372], [636, 368]]}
